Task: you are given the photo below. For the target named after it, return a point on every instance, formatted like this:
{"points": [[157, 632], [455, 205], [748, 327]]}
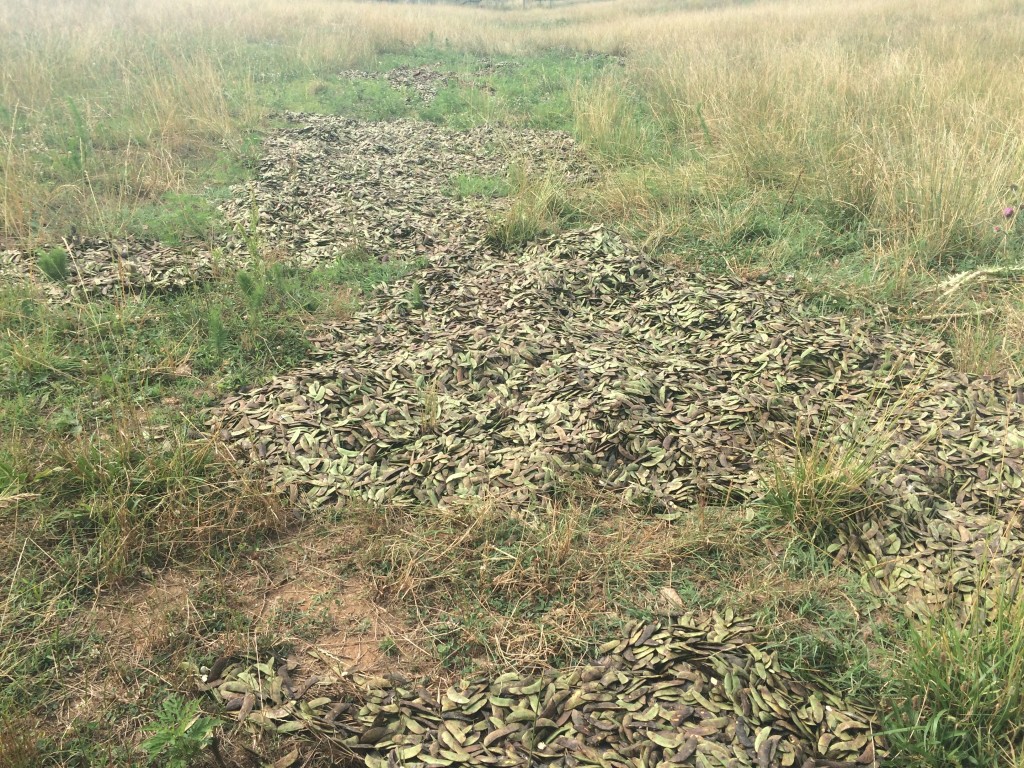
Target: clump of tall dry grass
{"points": [[111, 104], [892, 119]]}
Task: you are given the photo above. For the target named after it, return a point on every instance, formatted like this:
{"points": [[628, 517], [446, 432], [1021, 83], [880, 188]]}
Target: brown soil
{"points": [[292, 595]]}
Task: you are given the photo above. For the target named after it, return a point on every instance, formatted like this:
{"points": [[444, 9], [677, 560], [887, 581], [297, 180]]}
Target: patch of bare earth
{"points": [[353, 629], [297, 600]]}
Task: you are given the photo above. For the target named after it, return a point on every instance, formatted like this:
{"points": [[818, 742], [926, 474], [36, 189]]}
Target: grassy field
{"points": [[871, 149]]}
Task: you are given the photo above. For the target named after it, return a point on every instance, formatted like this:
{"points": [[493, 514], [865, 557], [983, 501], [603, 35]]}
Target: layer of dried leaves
{"points": [[503, 372], [679, 692], [325, 188], [104, 269], [331, 184], [423, 81]]}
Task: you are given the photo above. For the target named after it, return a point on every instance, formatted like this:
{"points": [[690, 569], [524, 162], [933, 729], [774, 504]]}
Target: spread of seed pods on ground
{"points": [[330, 185], [678, 692], [95, 269], [490, 371], [511, 383], [327, 187], [424, 82], [502, 372]]}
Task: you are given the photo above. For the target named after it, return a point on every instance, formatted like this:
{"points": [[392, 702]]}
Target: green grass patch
{"points": [[472, 185], [358, 268], [540, 206], [54, 264], [360, 99], [959, 688], [105, 477], [176, 219]]}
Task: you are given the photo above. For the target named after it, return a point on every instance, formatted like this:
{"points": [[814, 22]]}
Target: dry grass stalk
{"points": [[528, 586]]}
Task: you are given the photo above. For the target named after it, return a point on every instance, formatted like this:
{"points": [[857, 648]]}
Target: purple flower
{"points": [[1008, 212]]}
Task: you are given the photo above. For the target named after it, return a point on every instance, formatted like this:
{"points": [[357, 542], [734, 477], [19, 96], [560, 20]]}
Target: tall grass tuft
{"points": [[18, 745], [540, 206], [123, 504], [820, 489], [960, 689]]}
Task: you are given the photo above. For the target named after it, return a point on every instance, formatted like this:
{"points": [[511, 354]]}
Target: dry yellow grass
{"points": [[901, 116], [896, 114]]}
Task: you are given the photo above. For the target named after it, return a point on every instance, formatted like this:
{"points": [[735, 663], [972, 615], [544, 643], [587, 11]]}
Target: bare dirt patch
{"points": [[295, 597], [347, 624], [357, 623]]}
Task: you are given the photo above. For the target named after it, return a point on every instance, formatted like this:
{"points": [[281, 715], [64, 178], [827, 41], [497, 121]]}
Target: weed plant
{"points": [[180, 734], [54, 264]]}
